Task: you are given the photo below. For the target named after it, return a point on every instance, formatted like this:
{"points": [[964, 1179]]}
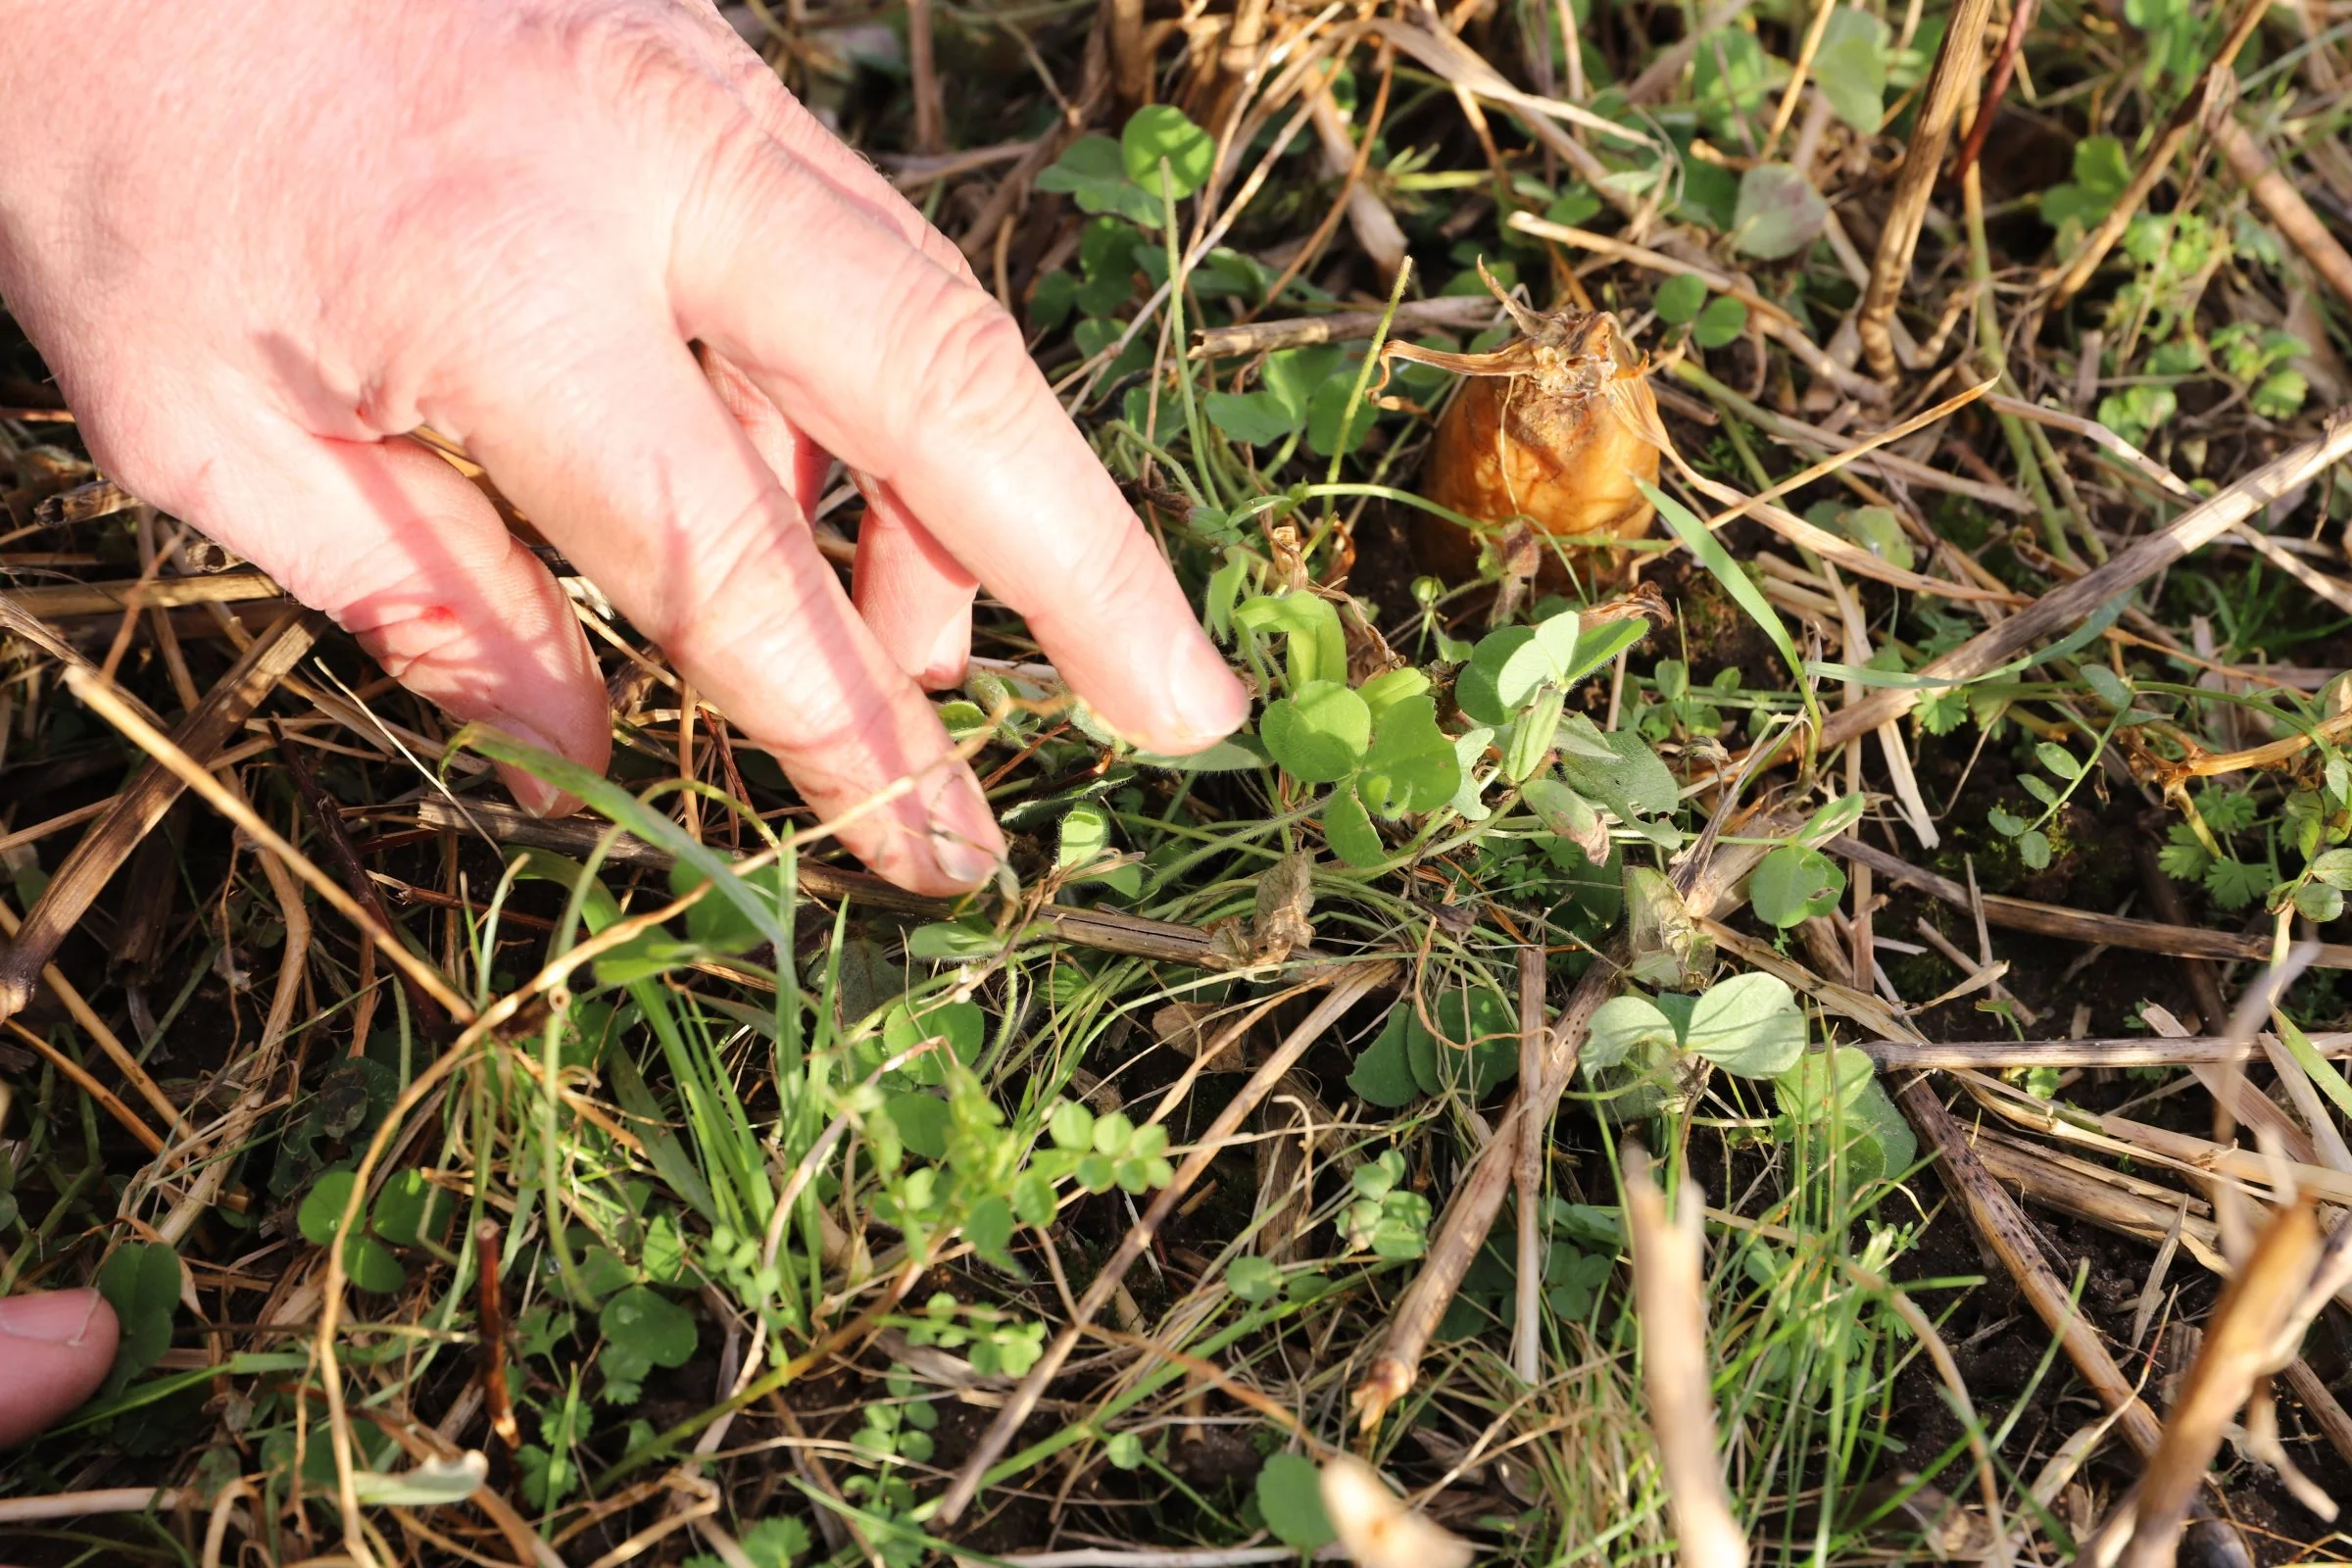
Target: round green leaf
{"points": [[1253, 1279], [961, 1024], [1410, 765], [1850, 67], [1793, 883], [1033, 1199], [1318, 734], [1328, 407], [1290, 1493], [1158, 131], [1093, 171], [1679, 299], [140, 1281], [321, 1210], [1111, 1133], [1749, 1024], [405, 1207], [1779, 211], [924, 1122], [1383, 1076], [1254, 419], [1723, 321], [655, 1328], [370, 1267], [1072, 1125], [1625, 1027], [1349, 830], [989, 1228], [1477, 689]]}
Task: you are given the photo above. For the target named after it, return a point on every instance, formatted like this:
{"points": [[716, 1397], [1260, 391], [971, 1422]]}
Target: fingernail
{"points": [[534, 795], [949, 655], [1210, 703], [966, 864], [53, 1317], [966, 844]]}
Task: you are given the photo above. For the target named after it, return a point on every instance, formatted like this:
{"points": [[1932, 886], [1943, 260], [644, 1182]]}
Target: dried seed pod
{"points": [[1557, 426]]}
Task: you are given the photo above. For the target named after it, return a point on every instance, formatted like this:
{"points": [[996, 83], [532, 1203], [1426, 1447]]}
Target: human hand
{"points": [[330, 224], [55, 1348]]}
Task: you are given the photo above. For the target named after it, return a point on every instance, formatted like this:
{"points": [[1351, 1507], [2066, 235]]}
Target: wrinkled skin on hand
{"points": [[326, 225]]}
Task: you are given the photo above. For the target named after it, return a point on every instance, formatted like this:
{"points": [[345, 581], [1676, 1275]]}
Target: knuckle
{"points": [[1118, 568], [635, 54], [967, 368]]}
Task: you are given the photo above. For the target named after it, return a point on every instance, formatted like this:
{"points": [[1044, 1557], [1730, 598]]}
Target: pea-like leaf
{"points": [[1598, 643], [1749, 1024], [1531, 735], [2058, 760], [1624, 1028], [1570, 815], [1634, 783], [1793, 883], [1834, 818]]}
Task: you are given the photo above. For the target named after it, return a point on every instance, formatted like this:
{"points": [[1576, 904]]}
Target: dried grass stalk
{"points": [[2238, 1351], [1670, 1293], [2066, 605], [1948, 87], [135, 812]]}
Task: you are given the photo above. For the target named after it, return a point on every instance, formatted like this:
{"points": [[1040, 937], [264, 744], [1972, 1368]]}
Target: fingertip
{"points": [[914, 596], [56, 1347], [1209, 701], [966, 844]]}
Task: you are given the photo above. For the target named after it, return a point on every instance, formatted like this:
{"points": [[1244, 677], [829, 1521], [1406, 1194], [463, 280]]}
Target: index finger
{"points": [[913, 373]]}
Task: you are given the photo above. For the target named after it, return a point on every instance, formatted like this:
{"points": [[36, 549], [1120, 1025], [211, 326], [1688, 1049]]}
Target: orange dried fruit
{"points": [[1558, 428]]}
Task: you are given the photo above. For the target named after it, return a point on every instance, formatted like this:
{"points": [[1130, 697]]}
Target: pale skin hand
{"points": [[325, 225], [55, 1348]]}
